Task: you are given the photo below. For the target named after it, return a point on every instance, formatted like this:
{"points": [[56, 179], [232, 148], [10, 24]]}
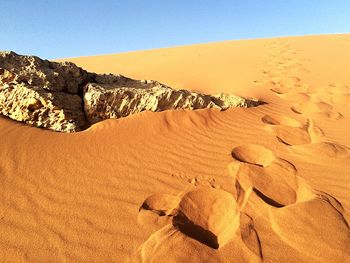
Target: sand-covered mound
{"points": [[260, 184]]}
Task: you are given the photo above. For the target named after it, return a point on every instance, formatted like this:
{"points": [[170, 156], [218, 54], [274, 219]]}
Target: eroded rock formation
{"points": [[121, 99], [42, 93], [64, 97]]}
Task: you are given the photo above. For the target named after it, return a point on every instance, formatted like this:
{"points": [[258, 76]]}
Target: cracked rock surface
{"points": [[105, 101], [61, 96]]}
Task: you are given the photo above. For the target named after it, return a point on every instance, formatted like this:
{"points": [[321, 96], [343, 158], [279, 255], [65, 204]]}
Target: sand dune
{"points": [[269, 183]]}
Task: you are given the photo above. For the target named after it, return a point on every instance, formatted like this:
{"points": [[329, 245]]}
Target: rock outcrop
{"points": [[63, 97], [33, 105], [126, 97], [52, 76], [42, 93]]}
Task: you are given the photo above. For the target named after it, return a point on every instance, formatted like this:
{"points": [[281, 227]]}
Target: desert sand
{"points": [[269, 183]]}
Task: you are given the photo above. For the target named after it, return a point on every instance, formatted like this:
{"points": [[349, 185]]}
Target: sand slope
{"points": [[269, 183]]}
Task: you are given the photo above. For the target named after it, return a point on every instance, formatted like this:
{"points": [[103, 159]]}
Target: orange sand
{"points": [[108, 194]]}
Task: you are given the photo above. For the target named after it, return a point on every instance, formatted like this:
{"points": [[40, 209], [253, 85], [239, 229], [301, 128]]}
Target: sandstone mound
{"points": [[64, 97], [208, 215]]}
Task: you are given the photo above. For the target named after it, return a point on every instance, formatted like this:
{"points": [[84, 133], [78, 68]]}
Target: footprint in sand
{"points": [[291, 89], [288, 197], [291, 132], [340, 99], [293, 135], [308, 224], [296, 97], [336, 94], [253, 154], [250, 236], [161, 204], [275, 182], [319, 108], [323, 150], [311, 107], [333, 115], [290, 82], [208, 215], [213, 217], [321, 102], [338, 88], [280, 90], [321, 96], [305, 139], [280, 120], [156, 211]]}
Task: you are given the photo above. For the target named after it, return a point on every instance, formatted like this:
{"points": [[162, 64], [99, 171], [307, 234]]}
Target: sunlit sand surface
{"points": [[269, 183]]}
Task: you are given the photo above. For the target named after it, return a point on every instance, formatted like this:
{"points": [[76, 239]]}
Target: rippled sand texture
{"points": [[269, 183]]}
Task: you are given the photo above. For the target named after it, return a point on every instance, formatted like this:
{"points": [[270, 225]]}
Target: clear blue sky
{"points": [[69, 28]]}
